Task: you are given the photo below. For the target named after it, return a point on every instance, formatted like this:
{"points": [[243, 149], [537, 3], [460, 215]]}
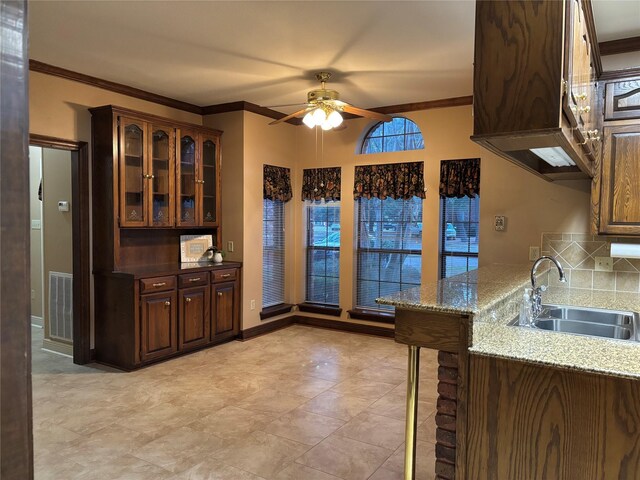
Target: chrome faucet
{"points": [[536, 292]]}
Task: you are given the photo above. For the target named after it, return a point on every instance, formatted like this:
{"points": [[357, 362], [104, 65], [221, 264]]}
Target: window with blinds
{"points": [[272, 253], [323, 252], [459, 235], [389, 248]]}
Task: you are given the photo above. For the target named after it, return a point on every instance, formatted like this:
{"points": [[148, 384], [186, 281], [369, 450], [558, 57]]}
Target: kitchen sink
{"points": [[594, 322]]}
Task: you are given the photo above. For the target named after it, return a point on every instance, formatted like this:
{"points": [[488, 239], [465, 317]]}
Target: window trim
{"points": [[367, 136], [446, 253]]}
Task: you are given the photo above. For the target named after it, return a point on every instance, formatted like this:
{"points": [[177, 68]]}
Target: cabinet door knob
{"points": [[219, 294], [161, 284], [581, 96], [585, 109], [187, 299], [167, 303]]}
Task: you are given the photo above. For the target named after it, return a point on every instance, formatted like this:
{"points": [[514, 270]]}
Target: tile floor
{"points": [[298, 404]]}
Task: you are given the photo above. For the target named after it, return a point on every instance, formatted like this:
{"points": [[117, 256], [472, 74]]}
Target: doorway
{"points": [[65, 303]]}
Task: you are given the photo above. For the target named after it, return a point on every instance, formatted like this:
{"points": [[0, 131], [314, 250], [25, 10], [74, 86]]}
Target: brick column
{"points": [[446, 416]]}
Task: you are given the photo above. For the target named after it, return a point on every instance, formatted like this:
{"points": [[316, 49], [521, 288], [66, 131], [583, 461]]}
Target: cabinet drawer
{"points": [[193, 279], [157, 284], [224, 275]]}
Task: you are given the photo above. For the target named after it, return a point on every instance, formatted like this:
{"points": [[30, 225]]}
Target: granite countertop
{"points": [[492, 295], [171, 268]]}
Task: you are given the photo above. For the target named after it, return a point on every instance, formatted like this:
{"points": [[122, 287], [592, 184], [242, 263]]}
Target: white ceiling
{"points": [[266, 52], [616, 19]]}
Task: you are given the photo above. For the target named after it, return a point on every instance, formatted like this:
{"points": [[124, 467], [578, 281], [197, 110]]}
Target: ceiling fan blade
{"points": [[367, 113], [287, 105], [295, 114]]}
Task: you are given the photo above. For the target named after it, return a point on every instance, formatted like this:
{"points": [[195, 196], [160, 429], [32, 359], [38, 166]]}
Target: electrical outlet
{"points": [[230, 246], [604, 264], [252, 304], [534, 253], [33, 294]]}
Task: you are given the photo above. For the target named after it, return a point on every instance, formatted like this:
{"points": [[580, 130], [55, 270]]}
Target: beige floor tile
{"points": [[375, 429], [303, 385], [393, 405], [345, 458], [295, 471], [271, 401], [393, 468], [126, 467], [261, 453], [334, 405], [363, 388], [158, 419], [304, 427], [213, 469], [384, 374], [427, 429], [180, 449], [330, 371], [232, 422]]}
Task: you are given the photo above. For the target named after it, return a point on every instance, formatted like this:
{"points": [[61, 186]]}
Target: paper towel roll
{"points": [[625, 250]]}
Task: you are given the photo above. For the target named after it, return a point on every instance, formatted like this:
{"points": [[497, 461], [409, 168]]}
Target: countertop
{"points": [[161, 269], [491, 295]]}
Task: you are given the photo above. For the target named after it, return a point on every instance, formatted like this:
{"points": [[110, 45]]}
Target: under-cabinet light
{"points": [[554, 156], [625, 250]]}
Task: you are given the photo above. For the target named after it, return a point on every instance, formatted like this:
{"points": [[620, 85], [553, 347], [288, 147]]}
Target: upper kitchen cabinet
{"points": [[536, 99]]}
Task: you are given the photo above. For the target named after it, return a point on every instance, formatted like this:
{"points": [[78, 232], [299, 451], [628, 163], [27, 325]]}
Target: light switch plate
{"points": [[252, 304], [230, 246], [534, 253], [500, 223], [604, 264], [36, 225]]}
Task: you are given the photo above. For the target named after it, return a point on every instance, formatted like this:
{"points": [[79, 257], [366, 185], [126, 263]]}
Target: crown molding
{"points": [[623, 45], [40, 67]]}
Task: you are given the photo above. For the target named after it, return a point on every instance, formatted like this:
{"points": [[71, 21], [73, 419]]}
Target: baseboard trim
{"points": [[57, 347], [267, 327], [345, 326]]}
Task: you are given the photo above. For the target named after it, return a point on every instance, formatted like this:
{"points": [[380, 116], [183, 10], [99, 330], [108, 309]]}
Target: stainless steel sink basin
{"points": [[594, 322]]}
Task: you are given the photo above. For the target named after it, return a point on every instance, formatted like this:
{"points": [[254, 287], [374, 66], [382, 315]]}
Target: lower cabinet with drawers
{"points": [[153, 314]]}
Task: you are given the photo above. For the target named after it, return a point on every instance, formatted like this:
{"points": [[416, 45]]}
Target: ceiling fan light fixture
{"points": [[319, 117], [308, 120], [334, 119]]}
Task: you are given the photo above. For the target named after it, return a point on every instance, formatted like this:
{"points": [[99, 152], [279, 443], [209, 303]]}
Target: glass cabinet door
{"points": [[162, 176], [187, 179], [208, 181], [132, 173]]}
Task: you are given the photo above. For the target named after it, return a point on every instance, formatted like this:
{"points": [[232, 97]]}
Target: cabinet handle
{"points": [[152, 176], [194, 279], [219, 294], [167, 303], [187, 299], [585, 109], [226, 275], [161, 284]]}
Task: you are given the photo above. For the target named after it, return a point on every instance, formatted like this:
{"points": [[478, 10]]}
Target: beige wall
{"points": [[35, 205], [57, 226]]}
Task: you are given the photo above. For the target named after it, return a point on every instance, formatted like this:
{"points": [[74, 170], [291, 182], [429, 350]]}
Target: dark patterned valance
{"points": [[459, 178], [277, 183], [395, 180], [321, 184]]}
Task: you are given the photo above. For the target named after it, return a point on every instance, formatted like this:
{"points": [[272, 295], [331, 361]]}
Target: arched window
{"points": [[397, 135]]}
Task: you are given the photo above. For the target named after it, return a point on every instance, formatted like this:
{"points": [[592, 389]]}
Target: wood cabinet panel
{"points": [[535, 422], [224, 275], [620, 195], [622, 100], [193, 279], [158, 331], [157, 284], [225, 311], [194, 317]]}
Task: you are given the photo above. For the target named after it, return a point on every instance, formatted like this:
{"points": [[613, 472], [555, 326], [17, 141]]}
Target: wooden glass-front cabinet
{"points": [[197, 173], [133, 172], [162, 152]]}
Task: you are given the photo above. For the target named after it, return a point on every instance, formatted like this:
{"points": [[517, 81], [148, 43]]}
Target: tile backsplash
{"points": [[577, 253]]}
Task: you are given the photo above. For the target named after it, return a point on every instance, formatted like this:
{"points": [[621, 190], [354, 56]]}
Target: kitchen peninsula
{"points": [[520, 402]]}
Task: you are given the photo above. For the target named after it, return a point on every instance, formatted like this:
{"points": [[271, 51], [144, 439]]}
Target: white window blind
{"points": [[389, 248], [322, 252], [459, 235], [272, 253]]}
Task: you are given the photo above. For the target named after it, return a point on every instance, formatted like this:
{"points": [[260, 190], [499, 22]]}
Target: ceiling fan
{"points": [[324, 106]]}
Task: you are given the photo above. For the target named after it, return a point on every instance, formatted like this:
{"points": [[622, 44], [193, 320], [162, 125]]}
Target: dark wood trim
{"points": [[319, 308], [92, 354], [266, 328], [80, 220], [414, 107], [622, 45], [40, 67], [345, 326], [16, 421], [620, 74], [372, 315], [276, 310], [591, 30]]}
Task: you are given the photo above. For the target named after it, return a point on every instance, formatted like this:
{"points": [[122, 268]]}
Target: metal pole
{"points": [[413, 374]]}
